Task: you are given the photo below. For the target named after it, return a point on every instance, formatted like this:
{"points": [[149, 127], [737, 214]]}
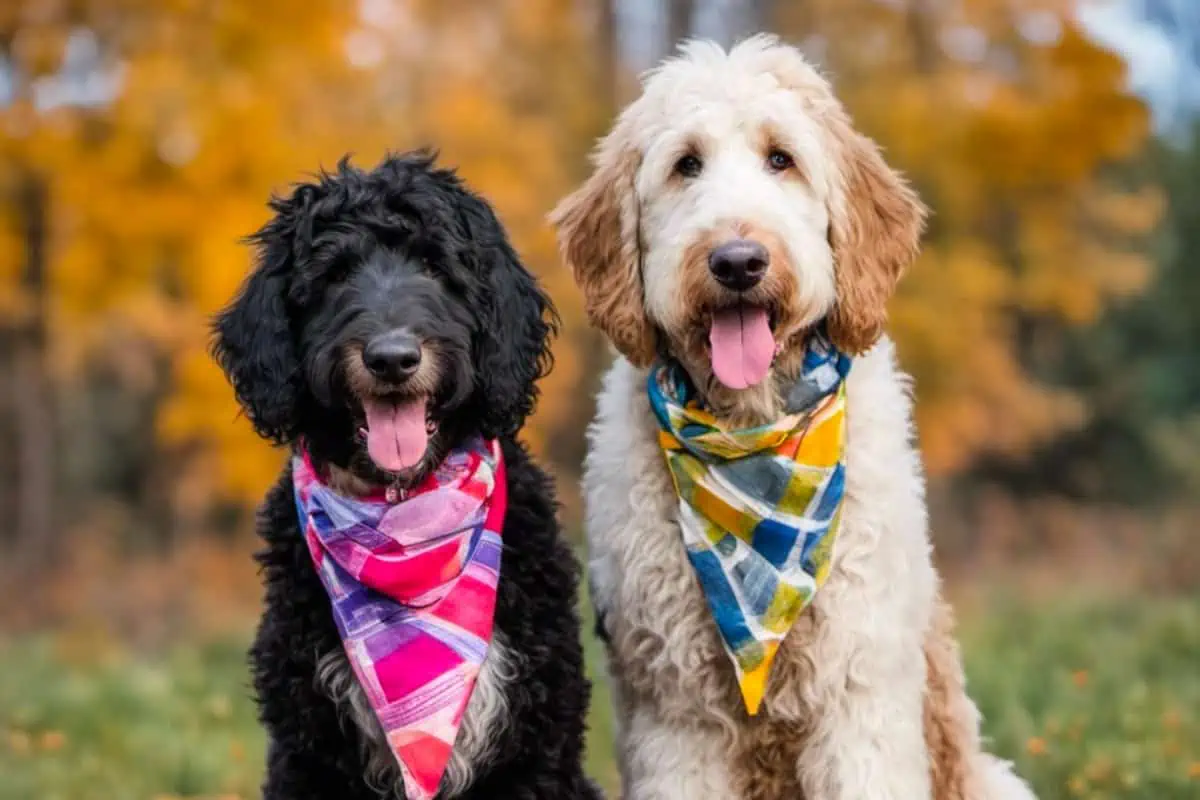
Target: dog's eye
{"points": [[779, 161], [689, 166]]}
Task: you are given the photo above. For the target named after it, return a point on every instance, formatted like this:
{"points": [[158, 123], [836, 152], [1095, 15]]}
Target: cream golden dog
{"points": [[736, 183]]}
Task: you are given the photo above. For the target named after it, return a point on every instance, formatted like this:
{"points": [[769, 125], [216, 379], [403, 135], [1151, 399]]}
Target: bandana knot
{"points": [[413, 590], [758, 507]]}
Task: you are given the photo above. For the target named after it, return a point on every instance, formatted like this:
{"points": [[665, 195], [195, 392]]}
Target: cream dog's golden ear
{"points": [[599, 239], [875, 230]]}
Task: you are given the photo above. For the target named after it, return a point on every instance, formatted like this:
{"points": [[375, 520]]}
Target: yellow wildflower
{"points": [[18, 741], [220, 707]]}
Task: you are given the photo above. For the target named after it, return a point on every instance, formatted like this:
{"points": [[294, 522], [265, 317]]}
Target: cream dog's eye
{"points": [[689, 166], [779, 161]]}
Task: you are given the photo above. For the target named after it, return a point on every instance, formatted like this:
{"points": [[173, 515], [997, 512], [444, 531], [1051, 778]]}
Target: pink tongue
{"points": [[396, 435], [742, 346]]}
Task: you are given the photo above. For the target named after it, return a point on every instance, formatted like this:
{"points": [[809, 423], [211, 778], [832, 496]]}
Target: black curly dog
{"points": [[355, 257]]}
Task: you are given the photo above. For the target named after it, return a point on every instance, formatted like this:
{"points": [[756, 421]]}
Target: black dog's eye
{"points": [[779, 161], [689, 166], [342, 266]]}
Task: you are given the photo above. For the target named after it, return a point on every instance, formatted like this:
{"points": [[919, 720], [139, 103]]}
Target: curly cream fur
{"points": [[868, 679]]}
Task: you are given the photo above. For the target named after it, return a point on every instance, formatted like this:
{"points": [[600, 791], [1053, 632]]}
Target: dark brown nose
{"points": [[393, 356], [739, 265]]}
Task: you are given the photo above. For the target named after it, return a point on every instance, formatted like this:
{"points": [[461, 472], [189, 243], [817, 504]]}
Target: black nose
{"points": [[393, 357], [739, 265]]}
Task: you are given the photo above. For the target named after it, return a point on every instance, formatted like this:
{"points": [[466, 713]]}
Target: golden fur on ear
{"points": [[875, 231], [598, 237]]}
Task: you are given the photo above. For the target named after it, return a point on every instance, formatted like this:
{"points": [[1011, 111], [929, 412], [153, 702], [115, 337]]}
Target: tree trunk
{"points": [[8, 440], [591, 343], [681, 18], [32, 392], [608, 55], [761, 16], [923, 36]]}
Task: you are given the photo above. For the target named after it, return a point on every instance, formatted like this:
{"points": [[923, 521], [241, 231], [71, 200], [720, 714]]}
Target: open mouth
{"points": [[396, 431], [742, 342]]}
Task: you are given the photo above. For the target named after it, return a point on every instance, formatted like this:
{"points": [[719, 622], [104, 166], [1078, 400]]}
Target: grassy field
{"points": [[1097, 700]]}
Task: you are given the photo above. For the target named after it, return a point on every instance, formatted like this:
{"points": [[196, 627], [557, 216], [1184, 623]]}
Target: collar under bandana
{"points": [[413, 588], [758, 507]]}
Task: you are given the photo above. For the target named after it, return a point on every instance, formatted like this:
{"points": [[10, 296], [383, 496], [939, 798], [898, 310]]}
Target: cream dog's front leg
{"points": [[867, 740]]}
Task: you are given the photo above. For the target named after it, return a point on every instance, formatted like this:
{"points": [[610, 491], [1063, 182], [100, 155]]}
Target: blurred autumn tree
{"points": [[139, 140], [1138, 367], [1007, 118]]}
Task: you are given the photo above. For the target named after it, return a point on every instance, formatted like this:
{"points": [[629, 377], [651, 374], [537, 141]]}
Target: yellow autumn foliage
{"points": [[1006, 117], [161, 127]]}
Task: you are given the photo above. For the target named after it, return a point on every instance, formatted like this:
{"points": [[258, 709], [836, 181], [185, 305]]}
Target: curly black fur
{"points": [[345, 257]]}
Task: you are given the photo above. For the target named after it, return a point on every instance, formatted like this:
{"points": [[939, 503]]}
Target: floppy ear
{"points": [[252, 337], [599, 239], [516, 321], [875, 230]]}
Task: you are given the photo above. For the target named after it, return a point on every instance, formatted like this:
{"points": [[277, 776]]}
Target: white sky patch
{"points": [[1042, 27], [964, 43], [1157, 67], [85, 79], [364, 48], [380, 13], [178, 146], [1151, 55]]}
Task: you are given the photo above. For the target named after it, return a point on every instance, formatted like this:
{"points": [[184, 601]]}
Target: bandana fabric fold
{"points": [[413, 590], [759, 507]]}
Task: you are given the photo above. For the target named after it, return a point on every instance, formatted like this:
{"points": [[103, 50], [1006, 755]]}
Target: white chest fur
{"points": [[851, 665], [481, 727]]}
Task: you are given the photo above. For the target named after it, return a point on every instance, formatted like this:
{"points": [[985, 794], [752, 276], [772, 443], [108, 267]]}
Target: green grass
{"points": [[1098, 700], [82, 726]]}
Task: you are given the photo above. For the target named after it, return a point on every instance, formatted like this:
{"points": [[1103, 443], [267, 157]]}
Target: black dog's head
{"points": [[387, 319]]}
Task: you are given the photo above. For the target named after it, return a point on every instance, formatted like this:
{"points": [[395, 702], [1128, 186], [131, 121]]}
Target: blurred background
{"points": [[1052, 324]]}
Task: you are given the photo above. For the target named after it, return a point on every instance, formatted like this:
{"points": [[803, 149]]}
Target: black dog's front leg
{"points": [[295, 772], [311, 755], [526, 781]]}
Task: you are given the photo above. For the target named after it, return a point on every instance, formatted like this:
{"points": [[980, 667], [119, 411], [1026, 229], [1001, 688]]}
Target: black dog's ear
{"points": [[516, 321], [252, 336]]}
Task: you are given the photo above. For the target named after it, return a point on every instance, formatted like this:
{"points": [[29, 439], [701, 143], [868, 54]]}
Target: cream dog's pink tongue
{"points": [[742, 346], [396, 434]]}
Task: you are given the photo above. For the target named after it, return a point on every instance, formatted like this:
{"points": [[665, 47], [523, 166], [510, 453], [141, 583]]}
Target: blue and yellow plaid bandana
{"points": [[759, 507]]}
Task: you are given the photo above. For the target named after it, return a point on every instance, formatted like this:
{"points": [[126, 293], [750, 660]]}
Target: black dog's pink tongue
{"points": [[396, 433]]}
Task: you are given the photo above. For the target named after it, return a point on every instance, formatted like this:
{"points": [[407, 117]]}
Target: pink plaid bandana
{"points": [[413, 588]]}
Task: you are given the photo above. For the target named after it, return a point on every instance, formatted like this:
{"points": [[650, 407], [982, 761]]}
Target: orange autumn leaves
{"points": [[1009, 121], [197, 111], [153, 184]]}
